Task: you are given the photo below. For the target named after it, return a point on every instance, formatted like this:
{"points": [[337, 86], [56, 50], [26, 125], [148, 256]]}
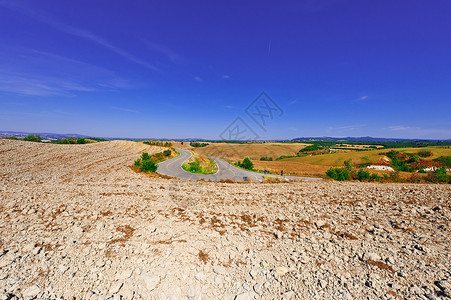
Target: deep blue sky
{"points": [[189, 68]]}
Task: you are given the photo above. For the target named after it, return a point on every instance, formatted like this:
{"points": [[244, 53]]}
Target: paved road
{"points": [[173, 167]]}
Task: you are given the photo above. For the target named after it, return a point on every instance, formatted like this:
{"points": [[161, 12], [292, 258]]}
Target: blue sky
{"points": [[185, 69]]}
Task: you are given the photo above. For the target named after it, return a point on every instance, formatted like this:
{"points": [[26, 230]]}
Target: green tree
{"points": [[247, 163], [148, 166], [340, 174], [33, 138], [145, 156]]}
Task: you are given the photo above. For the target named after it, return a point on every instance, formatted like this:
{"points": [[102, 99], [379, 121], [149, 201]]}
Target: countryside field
{"points": [[253, 150], [310, 165]]}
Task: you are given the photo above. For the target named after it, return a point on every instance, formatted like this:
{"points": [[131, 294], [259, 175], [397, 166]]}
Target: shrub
{"points": [[81, 141], [363, 175], [33, 138], [196, 144], [441, 175], [348, 164], [424, 153], [158, 143], [167, 152], [137, 162], [148, 166], [445, 160], [266, 158], [340, 174], [394, 177], [414, 158], [375, 177], [289, 156], [145, 156], [247, 163]]}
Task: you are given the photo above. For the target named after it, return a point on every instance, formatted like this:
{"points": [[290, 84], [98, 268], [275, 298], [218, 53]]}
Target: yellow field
{"points": [[291, 168], [254, 151]]}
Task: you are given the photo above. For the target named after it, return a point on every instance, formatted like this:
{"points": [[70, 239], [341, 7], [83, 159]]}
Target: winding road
{"points": [[173, 167]]}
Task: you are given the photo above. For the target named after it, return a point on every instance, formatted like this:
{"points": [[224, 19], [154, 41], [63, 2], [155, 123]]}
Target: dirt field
{"points": [[77, 222]]}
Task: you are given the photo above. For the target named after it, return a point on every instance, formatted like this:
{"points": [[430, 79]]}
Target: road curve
{"points": [[173, 167]]}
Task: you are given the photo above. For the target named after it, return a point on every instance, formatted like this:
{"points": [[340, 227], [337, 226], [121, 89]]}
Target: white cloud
{"points": [[225, 76], [363, 97], [197, 78]]}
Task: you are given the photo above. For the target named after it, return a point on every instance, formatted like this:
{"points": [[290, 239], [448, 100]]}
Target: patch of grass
{"points": [[200, 165]]}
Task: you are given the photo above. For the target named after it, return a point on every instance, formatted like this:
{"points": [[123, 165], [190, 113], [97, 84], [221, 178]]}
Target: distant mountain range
{"points": [[46, 135]]}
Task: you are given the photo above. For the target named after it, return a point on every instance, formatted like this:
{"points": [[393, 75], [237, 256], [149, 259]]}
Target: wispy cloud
{"points": [[346, 127], [169, 53], [197, 78], [401, 128], [363, 98], [420, 132], [124, 109], [225, 76], [228, 106], [61, 76], [54, 113], [24, 84], [75, 32]]}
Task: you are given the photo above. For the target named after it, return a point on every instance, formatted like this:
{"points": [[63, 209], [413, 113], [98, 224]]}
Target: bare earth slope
{"points": [[77, 222]]}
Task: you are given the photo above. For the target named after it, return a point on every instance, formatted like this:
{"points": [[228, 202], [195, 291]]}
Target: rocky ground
{"points": [[77, 223]]}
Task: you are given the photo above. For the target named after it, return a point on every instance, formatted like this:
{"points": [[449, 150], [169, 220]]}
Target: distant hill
{"points": [[43, 135], [361, 139], [46, 135]]}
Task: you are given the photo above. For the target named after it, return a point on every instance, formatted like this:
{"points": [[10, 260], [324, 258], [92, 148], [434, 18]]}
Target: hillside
{"points": [[77, 222], [254, 151]]}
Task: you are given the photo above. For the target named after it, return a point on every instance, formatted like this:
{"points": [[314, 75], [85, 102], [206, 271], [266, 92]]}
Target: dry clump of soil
{"points": [[77, 222]]}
